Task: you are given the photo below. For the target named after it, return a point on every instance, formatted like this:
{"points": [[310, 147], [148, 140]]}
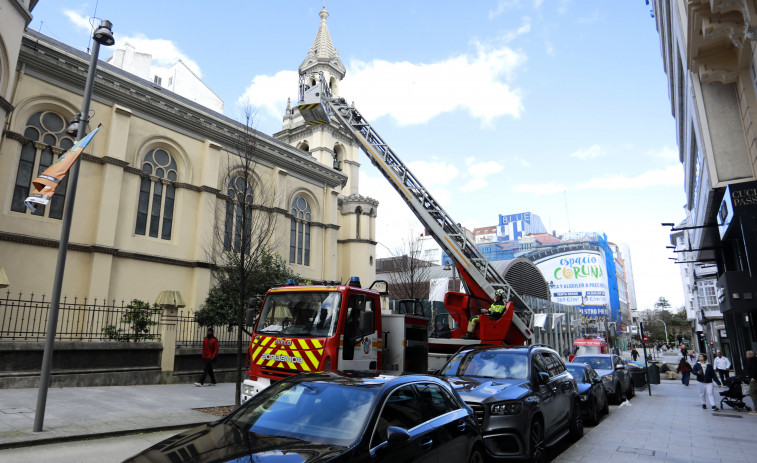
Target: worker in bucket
{"points": [[495, 312]]}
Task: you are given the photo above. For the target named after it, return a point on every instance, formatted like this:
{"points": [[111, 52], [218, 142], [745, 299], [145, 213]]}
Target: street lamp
{"points": [[103, 35]]}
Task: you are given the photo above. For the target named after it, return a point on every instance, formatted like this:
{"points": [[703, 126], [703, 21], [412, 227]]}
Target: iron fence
{"points": [[24, 318], [190, 333]]}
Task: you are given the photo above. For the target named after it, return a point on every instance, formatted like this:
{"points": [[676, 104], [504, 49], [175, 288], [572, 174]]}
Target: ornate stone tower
{"points": [[334, 146]]}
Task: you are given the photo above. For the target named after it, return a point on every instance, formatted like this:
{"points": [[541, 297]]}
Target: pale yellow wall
{"points": [[106, 207]]}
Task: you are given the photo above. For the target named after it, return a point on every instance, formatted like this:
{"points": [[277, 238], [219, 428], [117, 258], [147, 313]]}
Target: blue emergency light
{"points": [[355, 282]]}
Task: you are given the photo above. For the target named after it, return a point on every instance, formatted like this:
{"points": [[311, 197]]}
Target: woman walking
{"points": [[705, 376], [685, 369]]}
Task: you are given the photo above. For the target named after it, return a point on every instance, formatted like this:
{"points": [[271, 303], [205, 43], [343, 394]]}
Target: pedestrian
{"points": [[634, 354], [684, 352], [705, 376], [685, 369], [722, 364], [751, 374], [209, 353]]}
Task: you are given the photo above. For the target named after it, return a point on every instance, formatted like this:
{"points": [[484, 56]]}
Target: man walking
{"points": [[722, 364], [634, 354], [209, 352], [751, 374]]}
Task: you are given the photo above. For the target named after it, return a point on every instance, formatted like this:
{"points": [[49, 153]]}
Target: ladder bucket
{"points": [[314, 113]]}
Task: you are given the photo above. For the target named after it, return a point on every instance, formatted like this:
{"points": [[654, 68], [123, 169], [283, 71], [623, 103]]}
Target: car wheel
{"points": [[576, 424], [594, 412], [536, 442], [476, 456], [606, 408], [631, 392]]}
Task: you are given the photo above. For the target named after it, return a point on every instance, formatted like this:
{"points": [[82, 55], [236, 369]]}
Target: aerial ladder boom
{"points": [[317, 106]]}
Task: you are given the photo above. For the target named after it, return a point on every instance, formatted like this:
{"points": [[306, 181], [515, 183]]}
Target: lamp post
{"points": [[103, 35]]}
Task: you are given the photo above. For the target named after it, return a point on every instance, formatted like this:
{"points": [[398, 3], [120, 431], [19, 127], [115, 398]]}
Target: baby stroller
{"points": [[734, 396]]}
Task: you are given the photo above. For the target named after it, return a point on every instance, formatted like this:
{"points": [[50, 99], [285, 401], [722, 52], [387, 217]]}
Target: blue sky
{"points": [[557, 107]]}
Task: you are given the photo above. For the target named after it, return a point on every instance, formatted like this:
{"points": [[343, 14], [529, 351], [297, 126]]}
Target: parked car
{"points": [[615, 376], [523, 397], [591, 390], [335, 417]]}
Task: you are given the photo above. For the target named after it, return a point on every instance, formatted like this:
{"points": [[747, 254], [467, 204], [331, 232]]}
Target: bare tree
{"points": [[243, 237], [408, 273]]}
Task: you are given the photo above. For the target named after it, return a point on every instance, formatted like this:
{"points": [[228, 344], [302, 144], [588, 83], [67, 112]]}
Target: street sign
{"points": [[646, 338]]}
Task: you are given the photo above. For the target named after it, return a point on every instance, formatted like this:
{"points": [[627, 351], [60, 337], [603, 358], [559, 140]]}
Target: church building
{"points": [[155, 185]]}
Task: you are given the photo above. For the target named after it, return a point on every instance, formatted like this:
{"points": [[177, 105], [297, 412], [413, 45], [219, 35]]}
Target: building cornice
{"points": [[6, 105], [66, 67], [719, 32], [22, 11]]}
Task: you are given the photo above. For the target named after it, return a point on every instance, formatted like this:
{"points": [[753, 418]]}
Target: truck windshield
{"points": [[300, 313]]}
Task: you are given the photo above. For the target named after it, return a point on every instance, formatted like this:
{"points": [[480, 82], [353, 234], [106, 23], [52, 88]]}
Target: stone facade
{"points": [[154, 185]]}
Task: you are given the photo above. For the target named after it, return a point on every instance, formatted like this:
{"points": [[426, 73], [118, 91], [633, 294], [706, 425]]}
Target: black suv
{"points": [[524, 398]]}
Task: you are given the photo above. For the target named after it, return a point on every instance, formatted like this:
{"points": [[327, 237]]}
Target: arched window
{"points": [[238, 215], [304, 146], [47, 129], [157, 194], [299, 235]]}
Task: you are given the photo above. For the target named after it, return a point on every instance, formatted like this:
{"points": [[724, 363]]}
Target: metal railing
{"points": [[24, 318], [190, 334]]}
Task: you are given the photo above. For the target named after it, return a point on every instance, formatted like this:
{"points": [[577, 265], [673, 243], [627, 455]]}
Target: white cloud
{"points": [[540, 188], [82, 22], [502, 5], [395, 219], [268, 93], [666, 154], [164, 52], [479, 82], [414, 93], [592, 152], [670, 176], [433, 172], [484, 169], [523, 162]]}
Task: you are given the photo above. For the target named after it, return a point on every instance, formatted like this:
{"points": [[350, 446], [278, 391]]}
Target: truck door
{"points": [[359, 334]]}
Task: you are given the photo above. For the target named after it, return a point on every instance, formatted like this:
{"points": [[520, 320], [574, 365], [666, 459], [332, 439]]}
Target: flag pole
{"points": [[106, 38]]}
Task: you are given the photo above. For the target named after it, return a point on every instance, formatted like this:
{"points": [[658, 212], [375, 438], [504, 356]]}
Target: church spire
{"points": [[322, 55]]}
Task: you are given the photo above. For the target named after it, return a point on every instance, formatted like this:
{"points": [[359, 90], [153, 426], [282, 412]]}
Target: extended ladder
{"points": [[317, 106]]}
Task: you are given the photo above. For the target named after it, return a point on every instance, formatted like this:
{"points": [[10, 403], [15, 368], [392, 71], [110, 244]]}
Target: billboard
{"points": [[579, 278]]}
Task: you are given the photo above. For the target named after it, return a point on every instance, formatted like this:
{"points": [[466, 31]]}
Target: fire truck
{"points": [[330, 327]]}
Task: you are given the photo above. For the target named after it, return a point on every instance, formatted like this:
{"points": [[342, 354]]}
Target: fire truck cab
{"points": [[329, 327]]}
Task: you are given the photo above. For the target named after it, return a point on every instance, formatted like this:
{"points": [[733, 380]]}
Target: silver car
{"points": [[615, 377]]}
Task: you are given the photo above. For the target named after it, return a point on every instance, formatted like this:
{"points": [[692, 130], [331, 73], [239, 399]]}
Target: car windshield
{"points": [[300, 313], [317, 411], [585, 350], [577, 371], [598, 363], [488, 364]]}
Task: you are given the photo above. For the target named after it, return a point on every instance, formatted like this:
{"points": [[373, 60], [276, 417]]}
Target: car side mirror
{"points": [[397, 436], [620, 366], [596, 380], [543, 377]]}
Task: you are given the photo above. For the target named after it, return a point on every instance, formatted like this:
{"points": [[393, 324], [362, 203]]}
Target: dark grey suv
{"points": [[615, 377], [524, 398]]}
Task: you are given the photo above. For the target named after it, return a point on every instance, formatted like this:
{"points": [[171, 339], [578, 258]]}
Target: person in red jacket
{"points": [[209, 353]]}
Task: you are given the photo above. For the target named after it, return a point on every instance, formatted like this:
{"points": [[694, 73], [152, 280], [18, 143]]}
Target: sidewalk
{"points": [[670, 426], [75, 413]]}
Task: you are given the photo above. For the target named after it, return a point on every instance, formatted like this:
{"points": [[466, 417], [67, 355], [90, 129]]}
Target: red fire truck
{"points": [[327, 327]]}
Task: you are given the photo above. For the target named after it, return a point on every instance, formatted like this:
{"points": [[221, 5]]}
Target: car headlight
{"points": [[506, 408], [584, 397]]}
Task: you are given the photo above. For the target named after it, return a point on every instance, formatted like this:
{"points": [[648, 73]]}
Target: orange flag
{"points": [[48, 181]]}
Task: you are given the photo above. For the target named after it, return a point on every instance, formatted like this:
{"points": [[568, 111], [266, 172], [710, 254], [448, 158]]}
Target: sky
{"points": [[556, 107]]}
